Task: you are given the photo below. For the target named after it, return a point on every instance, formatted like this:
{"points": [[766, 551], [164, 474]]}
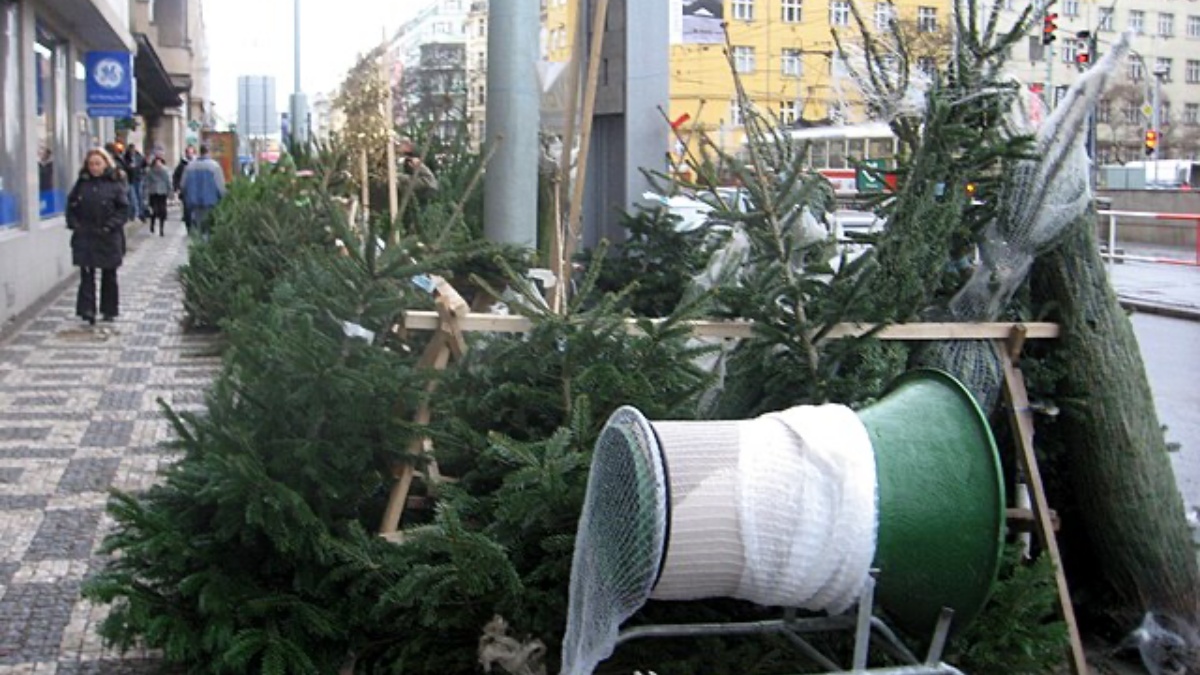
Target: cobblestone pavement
{"points": [[79, 415]]}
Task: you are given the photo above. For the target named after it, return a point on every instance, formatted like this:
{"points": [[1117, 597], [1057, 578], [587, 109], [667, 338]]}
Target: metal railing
{"points": [[1111, 253]]}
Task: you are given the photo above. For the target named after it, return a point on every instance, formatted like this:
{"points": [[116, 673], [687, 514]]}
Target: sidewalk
{"points": [[1159, 288], [78, 415]]}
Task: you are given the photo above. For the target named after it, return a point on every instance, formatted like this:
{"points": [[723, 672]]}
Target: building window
{"points": [[1166, 25], [743, 10], [743, 59], [1193, 26], [787, 113], [1131, 113], [791, 63], [1069, 51], [1164, 113], [53, 85], [927, 19], [1071, 7], [885, 12], [1162, 68], [1136, 71], [1103, 111], [839, 13], [1137, 21], [1106, 18], [12, 180], [791, 11], [1193, 71], [1191, 114], [735, 113]]}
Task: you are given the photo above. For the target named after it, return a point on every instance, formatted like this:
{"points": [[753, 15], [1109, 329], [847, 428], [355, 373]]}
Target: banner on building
{"points": [[111, 89], [697, 22]]}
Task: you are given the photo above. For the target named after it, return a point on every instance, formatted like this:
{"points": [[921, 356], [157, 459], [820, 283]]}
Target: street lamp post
{"points": [[298, 108]]}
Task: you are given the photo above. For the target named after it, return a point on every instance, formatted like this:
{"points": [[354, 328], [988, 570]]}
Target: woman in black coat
{"points": [[97, 210]]}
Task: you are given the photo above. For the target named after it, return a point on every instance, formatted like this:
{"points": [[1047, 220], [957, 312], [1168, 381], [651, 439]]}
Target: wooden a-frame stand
{"points": [[451, 320], [1020, 416], [447, 341]]}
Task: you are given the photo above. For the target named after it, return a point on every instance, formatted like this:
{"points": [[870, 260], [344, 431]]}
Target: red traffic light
{"points": [[1049, 27], [1083, 58]]}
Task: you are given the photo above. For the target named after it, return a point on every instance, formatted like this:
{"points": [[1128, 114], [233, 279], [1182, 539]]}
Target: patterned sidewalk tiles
{"points": [[79, 414]]}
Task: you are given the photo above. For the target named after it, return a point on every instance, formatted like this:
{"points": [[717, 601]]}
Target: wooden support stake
{"points": [[1021, 419], [448, 340], [585, 139], [389, 113]]}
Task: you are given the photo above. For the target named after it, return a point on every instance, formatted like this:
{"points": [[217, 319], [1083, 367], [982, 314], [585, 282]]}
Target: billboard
{"points": [[697, 22]]}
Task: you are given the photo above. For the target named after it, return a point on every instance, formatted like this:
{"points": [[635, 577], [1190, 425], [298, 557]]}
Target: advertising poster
{"points": [[697, 22]]}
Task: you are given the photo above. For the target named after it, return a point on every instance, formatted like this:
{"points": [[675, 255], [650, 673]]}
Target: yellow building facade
{"points": [[783, 51]]}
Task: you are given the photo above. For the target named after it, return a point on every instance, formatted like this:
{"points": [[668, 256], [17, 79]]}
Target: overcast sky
{"points": [[254, 37]]}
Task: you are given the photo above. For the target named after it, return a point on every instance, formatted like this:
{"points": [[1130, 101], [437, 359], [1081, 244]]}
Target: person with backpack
{"points": [[203, 187]]}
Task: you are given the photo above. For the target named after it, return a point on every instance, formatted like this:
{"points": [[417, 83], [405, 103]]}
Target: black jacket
{"points": [[177, 177], [135, 165], [97, 209]]}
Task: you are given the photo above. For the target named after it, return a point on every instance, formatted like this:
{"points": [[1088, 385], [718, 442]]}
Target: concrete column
{"points": [[513, 103], [27, 155]]}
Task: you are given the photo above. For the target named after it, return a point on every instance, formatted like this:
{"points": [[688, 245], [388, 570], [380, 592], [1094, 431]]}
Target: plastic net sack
{"points": [[1043, 198], [779, 510], [620, 541]]}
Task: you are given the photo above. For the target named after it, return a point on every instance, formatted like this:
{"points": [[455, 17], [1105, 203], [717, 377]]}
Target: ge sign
{"points": [[109, 73]]}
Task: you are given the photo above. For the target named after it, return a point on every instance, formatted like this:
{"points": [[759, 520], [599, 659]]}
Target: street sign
{"points": [[1148, 110], [870, 181], [110, 84]]}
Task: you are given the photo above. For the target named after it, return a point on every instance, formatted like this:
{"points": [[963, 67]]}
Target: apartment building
{"points": [[1165, 57], [430, 53], [48, 76], [476, 55]]}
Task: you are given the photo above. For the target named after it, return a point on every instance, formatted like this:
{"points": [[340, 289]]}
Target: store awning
{"points": [[156, 91], [101, 26]]}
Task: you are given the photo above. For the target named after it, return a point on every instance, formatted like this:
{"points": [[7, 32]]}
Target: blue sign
{"points": [[110, 84]]}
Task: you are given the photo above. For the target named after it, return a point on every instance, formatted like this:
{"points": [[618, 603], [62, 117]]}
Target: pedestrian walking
{"points": [[97, 210], [203, 186], [158, 186], [189, 153], [135, 172]]}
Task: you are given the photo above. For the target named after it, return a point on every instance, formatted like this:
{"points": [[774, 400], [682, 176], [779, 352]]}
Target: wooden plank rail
{"points": [[498, 323]]}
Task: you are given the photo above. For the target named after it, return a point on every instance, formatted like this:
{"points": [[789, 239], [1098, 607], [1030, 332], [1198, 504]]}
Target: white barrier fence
{"points": [[1111, 253]]}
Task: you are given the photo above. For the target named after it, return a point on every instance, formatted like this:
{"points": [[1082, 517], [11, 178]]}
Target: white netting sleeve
{"points": [[619, 544], [779, 510]]}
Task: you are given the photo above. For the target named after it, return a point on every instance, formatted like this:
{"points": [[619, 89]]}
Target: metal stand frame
{"points": [[863, 623]]}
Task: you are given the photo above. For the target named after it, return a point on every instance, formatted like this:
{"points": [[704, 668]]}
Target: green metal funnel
{"points": [[941, 501]]}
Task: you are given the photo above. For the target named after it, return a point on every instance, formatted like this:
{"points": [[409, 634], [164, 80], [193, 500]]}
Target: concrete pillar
{"points": [[629, 133], [513, 102]]}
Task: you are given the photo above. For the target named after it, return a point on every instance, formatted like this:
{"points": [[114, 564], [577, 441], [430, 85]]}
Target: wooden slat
{"points": [[1021, 419], [496, 323]]}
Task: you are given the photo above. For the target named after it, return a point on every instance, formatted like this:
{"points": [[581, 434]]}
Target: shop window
{"points": [[53, 76], [11, 177]]}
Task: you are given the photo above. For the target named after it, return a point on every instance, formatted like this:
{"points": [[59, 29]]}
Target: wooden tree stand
{"points": [[447, 341], [452, 319]]}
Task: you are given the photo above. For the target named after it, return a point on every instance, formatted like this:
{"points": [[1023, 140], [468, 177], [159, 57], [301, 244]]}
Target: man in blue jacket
{"points": [[203, 186]]}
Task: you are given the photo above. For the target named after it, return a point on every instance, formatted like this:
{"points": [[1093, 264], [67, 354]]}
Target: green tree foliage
{"points": [[258, 229], [229, 565]]}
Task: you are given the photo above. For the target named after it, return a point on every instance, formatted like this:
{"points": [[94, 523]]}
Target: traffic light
{"points": [[1083, 57], [1049, 27], [1151, 141]]}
